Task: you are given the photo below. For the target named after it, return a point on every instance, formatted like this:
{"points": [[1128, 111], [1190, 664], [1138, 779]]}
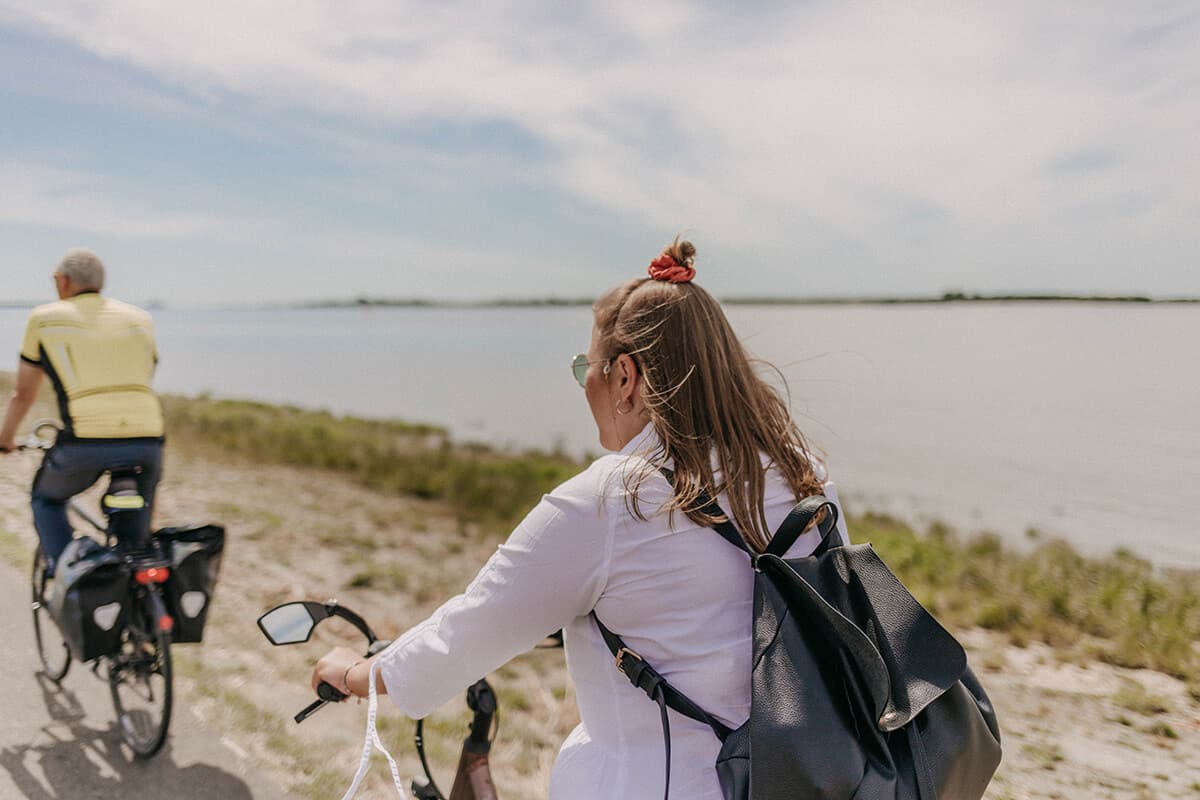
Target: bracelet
{"points": [[346, 677]]}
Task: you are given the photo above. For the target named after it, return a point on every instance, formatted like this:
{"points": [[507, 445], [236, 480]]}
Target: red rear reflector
{"points": [[165, 623], [151, 575]]}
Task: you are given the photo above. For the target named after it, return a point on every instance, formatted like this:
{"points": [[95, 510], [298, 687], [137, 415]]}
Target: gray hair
{"points": [[82, 268]]}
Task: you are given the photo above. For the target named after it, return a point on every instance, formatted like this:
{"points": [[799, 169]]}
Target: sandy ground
{"points": [[1070, 730]]}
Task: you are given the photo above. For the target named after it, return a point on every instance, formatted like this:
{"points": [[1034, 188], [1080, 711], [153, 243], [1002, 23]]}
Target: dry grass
{"points": [[1118, 609]]}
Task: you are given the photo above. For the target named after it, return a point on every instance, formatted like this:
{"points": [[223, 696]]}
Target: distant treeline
{"points": [[945, 297], [569, 302], [416, 302]]}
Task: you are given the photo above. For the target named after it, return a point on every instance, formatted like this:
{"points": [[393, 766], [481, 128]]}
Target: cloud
{"points": [[54, 198], [845, 125]]}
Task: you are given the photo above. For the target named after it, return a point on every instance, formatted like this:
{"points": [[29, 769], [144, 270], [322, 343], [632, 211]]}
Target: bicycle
{"points": [[293, 623], [138, 669]]}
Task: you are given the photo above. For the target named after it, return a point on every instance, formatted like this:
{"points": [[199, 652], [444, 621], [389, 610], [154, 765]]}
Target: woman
{"points": [[669, 385]]}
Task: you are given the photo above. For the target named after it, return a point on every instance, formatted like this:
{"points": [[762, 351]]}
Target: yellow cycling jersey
{"points": [[100, 356]]}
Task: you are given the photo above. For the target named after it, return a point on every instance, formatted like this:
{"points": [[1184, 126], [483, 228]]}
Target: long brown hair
{"points": [[702, 395]]}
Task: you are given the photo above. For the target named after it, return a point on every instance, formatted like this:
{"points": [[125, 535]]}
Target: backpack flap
{"points": [[803, 742], [904, 657], [878, 691]]}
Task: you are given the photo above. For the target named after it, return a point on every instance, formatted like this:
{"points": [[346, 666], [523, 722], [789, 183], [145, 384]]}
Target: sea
{"points": [[1028, 420]]}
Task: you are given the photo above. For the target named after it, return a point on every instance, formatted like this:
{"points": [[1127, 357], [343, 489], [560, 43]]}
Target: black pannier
{"points": [[195, 555], [90, 598]]}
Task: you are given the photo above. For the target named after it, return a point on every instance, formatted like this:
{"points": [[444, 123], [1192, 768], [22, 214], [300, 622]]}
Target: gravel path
{"points": [[61, 741]]}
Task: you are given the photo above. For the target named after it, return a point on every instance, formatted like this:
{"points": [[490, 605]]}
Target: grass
{"points": [[480, 484], [1047, 756], [390, 577], [1132, 696], [1162, 729], [1118, 608], [14, 550]]}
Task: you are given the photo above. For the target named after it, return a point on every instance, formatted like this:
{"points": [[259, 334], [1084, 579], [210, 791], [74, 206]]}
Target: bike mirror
{"points": [[291, 623]]}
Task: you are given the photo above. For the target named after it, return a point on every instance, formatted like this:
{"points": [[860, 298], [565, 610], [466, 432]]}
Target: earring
{"points": [[617, 408]]}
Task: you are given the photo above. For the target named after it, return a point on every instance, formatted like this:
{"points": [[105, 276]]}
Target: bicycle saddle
{"points": [[123, 494]]}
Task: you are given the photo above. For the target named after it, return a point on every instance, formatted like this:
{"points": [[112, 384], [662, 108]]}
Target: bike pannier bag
{"points": [[90, 598], [195, 555]]}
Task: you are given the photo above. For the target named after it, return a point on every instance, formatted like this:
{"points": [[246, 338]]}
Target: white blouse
{"points": [[677, 593]]}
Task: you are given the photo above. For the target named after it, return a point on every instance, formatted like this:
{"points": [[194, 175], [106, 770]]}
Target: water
{"points": [[1080, 420]]}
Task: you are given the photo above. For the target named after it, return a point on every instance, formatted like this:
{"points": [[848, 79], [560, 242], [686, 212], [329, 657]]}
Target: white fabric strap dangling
{"points": [[371, 740]]}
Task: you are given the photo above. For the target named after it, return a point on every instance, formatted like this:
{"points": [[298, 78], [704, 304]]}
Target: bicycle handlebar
{"points": [[35, 440]]}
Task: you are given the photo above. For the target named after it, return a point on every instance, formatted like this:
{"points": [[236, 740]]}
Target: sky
{"points": [[241, 152]]}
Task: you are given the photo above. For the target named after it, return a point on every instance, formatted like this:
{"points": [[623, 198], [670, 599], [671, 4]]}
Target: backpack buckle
{"points": [[625, 651]]}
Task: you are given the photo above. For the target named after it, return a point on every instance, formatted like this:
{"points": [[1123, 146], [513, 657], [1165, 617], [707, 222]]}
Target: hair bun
{"points": [[674, 264]]}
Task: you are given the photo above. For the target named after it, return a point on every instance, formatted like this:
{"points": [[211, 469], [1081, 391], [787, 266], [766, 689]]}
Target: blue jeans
{"points": [[71, 467]]}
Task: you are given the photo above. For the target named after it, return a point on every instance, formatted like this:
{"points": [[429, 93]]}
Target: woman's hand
{"points": [[334, 668]]}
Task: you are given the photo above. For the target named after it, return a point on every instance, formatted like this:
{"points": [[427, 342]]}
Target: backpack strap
{"points": [[646, 678], [726, 529], [799, 518]]}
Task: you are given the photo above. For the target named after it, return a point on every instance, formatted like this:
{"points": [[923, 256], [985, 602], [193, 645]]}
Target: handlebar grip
{"points": [[326, 691], [377, 646]]}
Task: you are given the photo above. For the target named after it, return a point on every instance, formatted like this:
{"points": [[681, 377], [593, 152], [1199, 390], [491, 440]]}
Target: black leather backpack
{"points": [[857, 692]]}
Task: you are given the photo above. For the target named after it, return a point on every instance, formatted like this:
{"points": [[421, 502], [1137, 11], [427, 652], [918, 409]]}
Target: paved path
{"points": [[60, 743]]}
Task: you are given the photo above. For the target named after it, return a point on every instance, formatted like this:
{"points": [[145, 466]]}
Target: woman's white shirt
{"points": [[677, 593]]}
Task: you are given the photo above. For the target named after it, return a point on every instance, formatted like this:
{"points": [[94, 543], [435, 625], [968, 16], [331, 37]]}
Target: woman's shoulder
{"points": [[602, 486], [599, 477]]}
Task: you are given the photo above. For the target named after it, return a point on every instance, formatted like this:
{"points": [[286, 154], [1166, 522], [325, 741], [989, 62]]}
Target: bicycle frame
{"points": [[473, 777]]}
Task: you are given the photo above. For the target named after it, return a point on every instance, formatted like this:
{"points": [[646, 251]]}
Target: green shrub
{"points": [[1141, 617], [480, 484]]}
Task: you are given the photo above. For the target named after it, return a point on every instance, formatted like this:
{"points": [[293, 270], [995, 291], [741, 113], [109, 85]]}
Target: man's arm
{"points": [[29, 380]]}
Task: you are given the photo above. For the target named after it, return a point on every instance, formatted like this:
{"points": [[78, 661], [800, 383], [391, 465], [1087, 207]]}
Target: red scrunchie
{"points": [[666, 268]]}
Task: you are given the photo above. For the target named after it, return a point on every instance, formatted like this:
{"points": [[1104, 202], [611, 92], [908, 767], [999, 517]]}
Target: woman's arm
{"points": [[549, 571], [346, 671]]}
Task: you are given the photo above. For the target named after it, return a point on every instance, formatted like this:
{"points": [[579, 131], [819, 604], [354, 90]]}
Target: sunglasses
{"points": [[580, 364]]}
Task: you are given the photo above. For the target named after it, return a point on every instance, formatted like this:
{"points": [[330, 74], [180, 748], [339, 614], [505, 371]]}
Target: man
{"points": [[100, 356]]}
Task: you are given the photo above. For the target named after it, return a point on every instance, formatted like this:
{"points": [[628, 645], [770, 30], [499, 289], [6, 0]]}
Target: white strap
{"points": [[371, 740]]}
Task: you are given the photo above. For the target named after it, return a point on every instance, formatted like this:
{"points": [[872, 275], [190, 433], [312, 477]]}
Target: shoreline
{"points": [[746, 300]]}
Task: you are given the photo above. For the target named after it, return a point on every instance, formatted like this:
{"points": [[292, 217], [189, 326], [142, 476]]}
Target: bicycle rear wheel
{"points": [[139, 678], [52, 647]]}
